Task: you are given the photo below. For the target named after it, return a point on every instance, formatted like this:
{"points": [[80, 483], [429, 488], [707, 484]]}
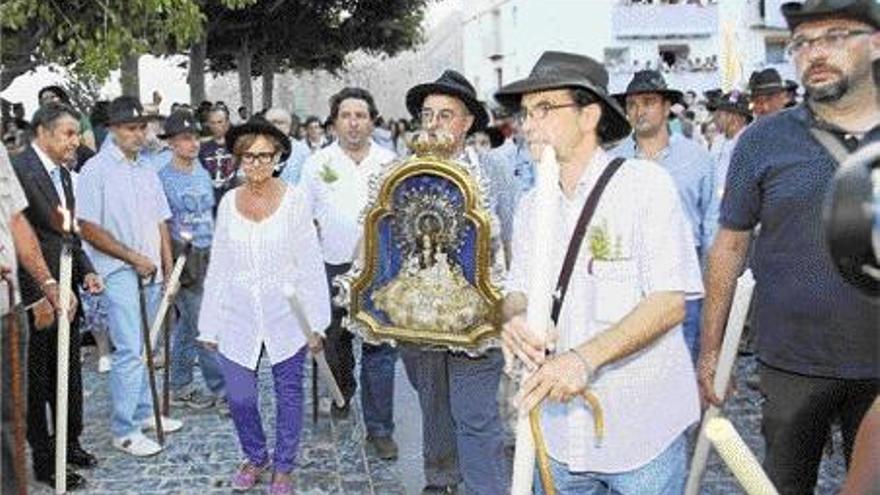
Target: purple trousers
{"points": [[243, 398]]}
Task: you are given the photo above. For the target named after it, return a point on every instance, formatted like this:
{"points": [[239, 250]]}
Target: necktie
{"points": [[59, 189]]}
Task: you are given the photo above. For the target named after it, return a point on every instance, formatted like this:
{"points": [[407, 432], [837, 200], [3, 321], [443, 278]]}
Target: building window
{"points": [[775, 51], [674, 57], [499, 77]]}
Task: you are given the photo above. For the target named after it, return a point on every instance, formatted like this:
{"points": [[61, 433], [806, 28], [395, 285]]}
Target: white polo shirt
{"points": [[650, 397]]}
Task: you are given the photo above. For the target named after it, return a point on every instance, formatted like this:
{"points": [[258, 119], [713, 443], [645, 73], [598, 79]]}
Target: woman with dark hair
{"points": [[264, 243]]}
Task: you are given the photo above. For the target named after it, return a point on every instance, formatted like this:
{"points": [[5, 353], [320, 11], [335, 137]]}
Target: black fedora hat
{"points": [[449, 83], [734, 101], [649, 81], [559, 70], [796, 13], [766, 82], [126, 110], [179, 122], [261, 127]]}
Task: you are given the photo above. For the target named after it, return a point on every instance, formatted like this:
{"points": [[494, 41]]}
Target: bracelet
{"points": [[48, 282], [583, 359]]}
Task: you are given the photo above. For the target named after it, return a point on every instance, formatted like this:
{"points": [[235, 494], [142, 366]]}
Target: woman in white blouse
{"points": [[264, 241]]}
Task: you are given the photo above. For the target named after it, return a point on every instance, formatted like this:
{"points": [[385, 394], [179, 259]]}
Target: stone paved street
{"points": [[200, 458]]}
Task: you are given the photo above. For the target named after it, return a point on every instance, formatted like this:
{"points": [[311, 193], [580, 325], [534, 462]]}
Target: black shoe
{"points": [[340, 412], [78, 457], [384, 447], [435, 489], [74, 480]]}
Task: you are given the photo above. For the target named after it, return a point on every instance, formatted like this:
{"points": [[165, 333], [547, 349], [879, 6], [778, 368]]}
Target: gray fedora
{"points": [[560, 70], [796, 13], [649, 82], [450, 83]]}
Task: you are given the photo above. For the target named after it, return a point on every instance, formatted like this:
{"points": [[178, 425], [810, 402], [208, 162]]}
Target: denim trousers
{"points": [[185, 349], [377, 388], [462, 432], [242, 395], [129, 385], [665, 475]]}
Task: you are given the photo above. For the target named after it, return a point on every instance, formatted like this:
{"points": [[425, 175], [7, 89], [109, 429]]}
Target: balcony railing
{"points": [[639, 20]]}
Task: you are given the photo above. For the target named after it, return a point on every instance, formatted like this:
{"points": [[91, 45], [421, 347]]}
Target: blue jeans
{"points": [[665, 475], [462, 433], [377, 388], [129, 386], [184, 347], [691, 327]]}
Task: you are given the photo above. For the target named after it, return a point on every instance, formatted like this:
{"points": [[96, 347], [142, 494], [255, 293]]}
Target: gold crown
{"points": [[440, 144]]}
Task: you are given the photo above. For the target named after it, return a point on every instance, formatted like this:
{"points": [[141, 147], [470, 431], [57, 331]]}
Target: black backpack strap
{"points": [[577, 238]]}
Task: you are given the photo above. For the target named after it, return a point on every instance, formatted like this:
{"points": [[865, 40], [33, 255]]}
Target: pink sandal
{"points": [[281, 486], [248, 476]]}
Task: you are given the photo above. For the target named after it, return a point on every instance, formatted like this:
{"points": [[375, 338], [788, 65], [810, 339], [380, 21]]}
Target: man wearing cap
{"points": [[619, 329], [122, 213], [291, 170], [768, 92], [47, 185], [462, 431], [648, 102], [816, 336], [336, 179], [190, 195]]}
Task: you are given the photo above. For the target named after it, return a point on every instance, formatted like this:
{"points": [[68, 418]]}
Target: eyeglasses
{"points": [[444, 115], [833, 40], [264, 158], [540, 111]]}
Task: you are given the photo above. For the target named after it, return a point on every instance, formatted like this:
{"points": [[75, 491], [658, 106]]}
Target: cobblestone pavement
{"points": [[201, 457]]}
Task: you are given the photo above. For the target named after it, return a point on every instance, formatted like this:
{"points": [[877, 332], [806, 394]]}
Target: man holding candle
{"points": [[815, 335], [47, 185], [123, 213], [619, 331]]}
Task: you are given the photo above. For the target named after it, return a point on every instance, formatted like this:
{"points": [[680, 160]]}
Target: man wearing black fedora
{"points": [[122, 214], [648, 102], [462, 431], [618, 331], [731, 113], [815, 336], [768, 92]]}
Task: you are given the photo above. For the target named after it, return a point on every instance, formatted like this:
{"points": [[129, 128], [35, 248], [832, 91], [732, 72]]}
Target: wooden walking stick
{"points": [[314, 390], [166, 373], [151, 370], [18, 411]]}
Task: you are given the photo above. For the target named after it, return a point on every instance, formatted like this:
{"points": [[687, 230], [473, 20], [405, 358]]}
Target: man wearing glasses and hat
{"points": [[816, 336], [769, 93], [648, 102], [462, 432], [122, 214], [619, 329]]}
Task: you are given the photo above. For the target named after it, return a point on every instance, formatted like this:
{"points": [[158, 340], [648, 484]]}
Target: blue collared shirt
{"points": [[126, 199], [292, 172], [692, 169]]}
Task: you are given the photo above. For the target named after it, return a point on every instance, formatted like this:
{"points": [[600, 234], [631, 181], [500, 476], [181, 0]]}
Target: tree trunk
{"points": [[130, 80], [270, 66], [244, 60], [195, 77]]}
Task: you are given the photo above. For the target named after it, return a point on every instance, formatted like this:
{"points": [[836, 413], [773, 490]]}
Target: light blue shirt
{"points": [[692, 169], [156, 159], [126, 199], [292, 172], [500, 172], [518, 156], [191, 198]]}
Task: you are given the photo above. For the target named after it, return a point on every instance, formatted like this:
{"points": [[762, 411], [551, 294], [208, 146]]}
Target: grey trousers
{"points": [[462, 432], [7, 438]]}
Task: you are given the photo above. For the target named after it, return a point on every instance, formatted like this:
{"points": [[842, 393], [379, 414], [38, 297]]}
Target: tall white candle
{"points": [[65, 293], [741, 461], [540, 294]]}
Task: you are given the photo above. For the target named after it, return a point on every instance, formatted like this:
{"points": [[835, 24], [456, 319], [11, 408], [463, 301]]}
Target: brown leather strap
{"points": [[577, 238]]}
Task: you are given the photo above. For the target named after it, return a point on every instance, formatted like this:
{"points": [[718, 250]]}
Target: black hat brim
{"points": [[617, 127], [674, 96], [416, 95], [863, 11], [260, 129], [169, 135], [143, 119]]}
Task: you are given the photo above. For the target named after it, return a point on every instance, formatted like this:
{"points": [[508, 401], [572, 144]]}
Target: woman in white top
{"points": [[264, 242]]}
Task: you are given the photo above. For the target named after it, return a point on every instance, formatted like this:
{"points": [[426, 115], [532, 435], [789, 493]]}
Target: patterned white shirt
{"points": [[650, 397], [338, 191]]}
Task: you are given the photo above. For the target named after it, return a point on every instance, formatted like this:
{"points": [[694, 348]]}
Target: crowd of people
{"points": [[685, 191]]}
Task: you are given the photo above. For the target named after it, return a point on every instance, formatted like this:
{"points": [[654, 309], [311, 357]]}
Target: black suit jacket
{"points": [[42, 213]]}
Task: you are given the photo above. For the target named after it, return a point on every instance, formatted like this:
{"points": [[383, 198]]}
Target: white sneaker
{"points": [[137, 445], [104, 364], [169, 425]]}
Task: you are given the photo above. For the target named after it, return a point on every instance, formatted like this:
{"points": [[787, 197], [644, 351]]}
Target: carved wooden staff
{"points": [[726, 359], [61, 390], [151, 370], [18, 424]]}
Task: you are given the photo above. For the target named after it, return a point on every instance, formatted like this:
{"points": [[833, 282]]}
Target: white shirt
{"points": [[338, 190], [650, 397], [50, 167], [243, 307]]}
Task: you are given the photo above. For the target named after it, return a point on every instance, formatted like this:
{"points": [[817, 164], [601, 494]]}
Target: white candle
{"points": [[171, 287], [741, 461], [540, 293], [733, 333], [65, 293]]}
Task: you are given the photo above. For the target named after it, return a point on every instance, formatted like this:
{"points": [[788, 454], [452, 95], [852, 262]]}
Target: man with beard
{"points": [[648, 102], [337, 179], [816, 336], [769, 93]]}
